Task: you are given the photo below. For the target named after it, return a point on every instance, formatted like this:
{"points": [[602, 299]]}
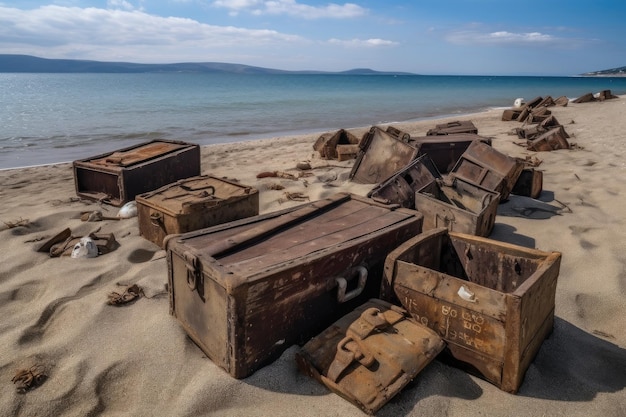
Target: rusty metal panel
{"points": [[445, 150], [465, 126], [402, 186], [246, 290], [382, 154], [370, 354], [193, 203], [492, 302], [483, 165], [458, 205], [117, 177]]}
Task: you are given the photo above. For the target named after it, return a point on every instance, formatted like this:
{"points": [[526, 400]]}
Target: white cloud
{"points": [[119, 4], [292, 8], [362, 42], [55, 31], [502, 38]]}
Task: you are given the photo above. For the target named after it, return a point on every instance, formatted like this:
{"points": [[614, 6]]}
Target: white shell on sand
{"points": [[128, 210]]}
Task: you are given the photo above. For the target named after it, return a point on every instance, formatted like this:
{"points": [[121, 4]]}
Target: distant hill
{"points": [[620, 72], [27, 63]]}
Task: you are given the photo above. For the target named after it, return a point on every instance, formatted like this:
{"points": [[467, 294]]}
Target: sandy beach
{"points": [[136, 360]]}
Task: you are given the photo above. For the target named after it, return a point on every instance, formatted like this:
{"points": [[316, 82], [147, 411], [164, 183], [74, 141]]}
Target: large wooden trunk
{"points": [[485, 166], [193, 203], [458, 205], [370, 354], [492, 302], [246, 290], [382, 154], [117, 177]]}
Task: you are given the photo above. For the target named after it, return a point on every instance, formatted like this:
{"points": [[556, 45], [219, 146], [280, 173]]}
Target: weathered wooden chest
{"points": [[485, 166], [370, 354], [245, 291], [382, 153], [193, 203], [457, 126], [529, 183], [492, 302], [401, 187], [117, 177], [445, 150], [458, 205]]}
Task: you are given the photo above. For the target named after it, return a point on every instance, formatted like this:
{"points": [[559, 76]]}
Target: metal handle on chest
{"points": [[156, 219], [342, 283]]}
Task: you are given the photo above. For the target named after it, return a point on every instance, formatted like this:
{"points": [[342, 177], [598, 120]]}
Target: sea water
{"points": [[49, 118]]}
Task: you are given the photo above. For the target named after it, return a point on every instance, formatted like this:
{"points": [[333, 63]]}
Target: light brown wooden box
{"points": [[492, 302], [193, 203]]}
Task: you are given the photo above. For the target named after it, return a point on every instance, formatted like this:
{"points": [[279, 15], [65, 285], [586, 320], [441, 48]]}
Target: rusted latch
{"points": [[358, 272], [194, 270]]}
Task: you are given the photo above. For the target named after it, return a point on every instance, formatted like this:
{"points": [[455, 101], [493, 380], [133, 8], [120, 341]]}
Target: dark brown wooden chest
{"points": [[246, 290], [117, 177]]}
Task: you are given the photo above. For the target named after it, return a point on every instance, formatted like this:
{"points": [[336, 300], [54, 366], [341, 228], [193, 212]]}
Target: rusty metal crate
{"points": [[485, 166], [117, 177], [246, 290], [370, 354], [492, 302], [382, 154], [193, 203]]}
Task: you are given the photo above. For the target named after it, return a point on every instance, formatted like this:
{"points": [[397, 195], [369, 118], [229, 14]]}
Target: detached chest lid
{"points": [[382, 154], [370, 354]]}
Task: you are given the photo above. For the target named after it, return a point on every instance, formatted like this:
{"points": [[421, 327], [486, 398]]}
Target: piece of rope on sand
{"points": [[130, 294]]}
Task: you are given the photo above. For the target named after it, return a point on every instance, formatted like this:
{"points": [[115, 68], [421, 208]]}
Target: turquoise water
{"points": [[47, 118]]}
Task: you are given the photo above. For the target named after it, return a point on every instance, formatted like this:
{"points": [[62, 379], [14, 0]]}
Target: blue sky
{"points": [[468, 37]]}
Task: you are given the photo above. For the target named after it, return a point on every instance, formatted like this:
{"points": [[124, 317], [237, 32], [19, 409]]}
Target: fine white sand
{"points": [[137, 360]]}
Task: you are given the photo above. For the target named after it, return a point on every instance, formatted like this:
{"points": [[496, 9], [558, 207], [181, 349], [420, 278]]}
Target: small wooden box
{"points": [[458, 205], [492, 302], [117, 177], [529, 183], [193, 203], [491, 169]]}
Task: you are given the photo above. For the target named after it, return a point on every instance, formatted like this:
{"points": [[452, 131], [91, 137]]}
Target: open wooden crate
{"points": [[492, 302]]}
